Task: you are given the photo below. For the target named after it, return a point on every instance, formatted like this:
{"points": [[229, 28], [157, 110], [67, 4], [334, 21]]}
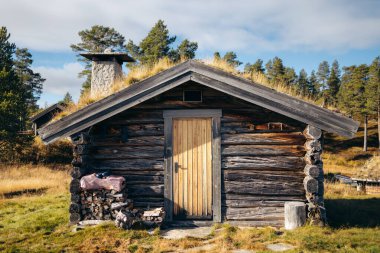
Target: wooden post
{"points": [[295, 214], [80, 163], [313, 181]]}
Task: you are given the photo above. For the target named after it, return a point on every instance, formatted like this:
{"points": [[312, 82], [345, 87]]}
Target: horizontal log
{"points": [[252, 203], [80, 160], [262, 150], [132, 141], [254, 213], [253, 176], [264, 187], [74, 208], [75, 186], [75, 198], [78, 172], [263, 163], [310, 184], [153, 190], [146, 204], [81, 149], [130, 164], [145, 130], [294, 138], [74, 218], [312, 170], [313, 158], [257, 223], [242, 197], [126, 173], [82, 138], [313, 145], [250, 127], [128, 152], [141, 179], [312, 132]]}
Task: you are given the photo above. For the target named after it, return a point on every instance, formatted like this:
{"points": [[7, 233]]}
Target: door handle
{"points": [[176, 166]]}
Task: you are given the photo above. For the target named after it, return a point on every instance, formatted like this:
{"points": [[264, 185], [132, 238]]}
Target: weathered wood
{"points": [[142, 179], [153, 190], [74, 208], [255, 213], [74, 218], [312, 132], [262, 150], [82, 138], [75, 197], [264, 187], [80, 149], [267, 197], [110, 141], [80, 160], [74, 186], [252, 176], [295, 215], [216, 165], [263, 163], [257, 223], [296, 138], [313, 145], [249, 127], [313, 158], [78, 172], [137, 164], [127, 152], [310, 184], [253, 203], [312, 170]]}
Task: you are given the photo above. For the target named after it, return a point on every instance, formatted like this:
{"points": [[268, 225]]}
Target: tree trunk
{"points": [[365, 132]]}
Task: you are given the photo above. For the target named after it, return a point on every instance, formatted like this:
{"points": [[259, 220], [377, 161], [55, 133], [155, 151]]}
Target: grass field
{"points": [[34, 216]]}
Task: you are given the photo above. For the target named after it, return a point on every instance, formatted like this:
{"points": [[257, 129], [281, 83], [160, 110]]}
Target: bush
{"points": [[57, 152]]}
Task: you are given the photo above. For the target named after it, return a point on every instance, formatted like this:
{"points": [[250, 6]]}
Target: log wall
{"points": [[262, 155]]}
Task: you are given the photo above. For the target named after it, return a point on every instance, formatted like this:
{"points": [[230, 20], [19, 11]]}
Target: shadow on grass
{"points": [[335, 146], [353, 212]]}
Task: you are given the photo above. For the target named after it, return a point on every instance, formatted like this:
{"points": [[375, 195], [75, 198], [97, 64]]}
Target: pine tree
{"points": [[157, 45], [322, 75], [313, 85], [303, 83], [352, 94], [231, 58], [333, 83], [67, 99], [256, 67], [31, 81], [13, 103], [96, 39], [372, 92], [290, 76], [275, 70]]}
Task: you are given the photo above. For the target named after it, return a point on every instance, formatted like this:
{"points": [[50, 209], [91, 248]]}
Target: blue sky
{"points": [[302, 33]]}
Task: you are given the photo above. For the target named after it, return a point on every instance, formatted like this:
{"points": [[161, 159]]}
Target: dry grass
{"points": [[28, 178], [371, 169]]}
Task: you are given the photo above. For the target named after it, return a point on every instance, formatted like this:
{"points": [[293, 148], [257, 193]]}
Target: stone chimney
{"points": [[106, 69]]}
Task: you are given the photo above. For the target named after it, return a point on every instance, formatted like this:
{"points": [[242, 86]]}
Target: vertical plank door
{"points": [[192, 168]]}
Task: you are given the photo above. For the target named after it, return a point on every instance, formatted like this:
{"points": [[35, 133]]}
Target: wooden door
{"points": [[192, 168]]}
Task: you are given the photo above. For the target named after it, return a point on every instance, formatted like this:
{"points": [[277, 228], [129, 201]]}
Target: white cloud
{"points": [[245, 26], [59, 81]]}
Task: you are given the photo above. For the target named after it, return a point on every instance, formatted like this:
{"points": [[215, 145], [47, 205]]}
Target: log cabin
{"points": [[206, 145]]}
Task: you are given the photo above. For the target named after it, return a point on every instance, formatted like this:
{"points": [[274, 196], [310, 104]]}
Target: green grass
{"points": [[40, 224]]}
